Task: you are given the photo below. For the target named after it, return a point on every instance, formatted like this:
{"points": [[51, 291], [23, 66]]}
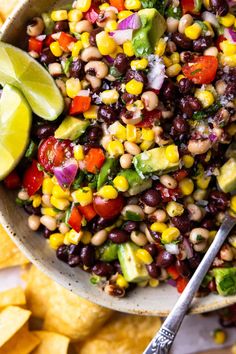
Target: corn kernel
{"points": [[77, 47], [188, 161], [148, 134], [73, 237], [111, 25], [193, 32], [84, 196], [158, 227], [133, 4], [228, 60], [144, 256], [154, 283], [108, 192], [121, 183], [210, 31], [232, 240], [139, 64], [146, 145], [75, 15], [131, 133], [91, 113], [128, 49], [167, 61], [121, 282], [56, 240], [228, 48], [174, 209], [86, 238], [118, 50], [219, 336], [233, 203], [109, 96], [180, 77], [85, 39], [203, 182], [124, 14], [59, 15], [186, 186], [72, 26], [60, 193], [227, 20], [36, 200], [56, 49], [160, 47], [106, 45], [205, 97], [172, 153], [104, 6], [49, 212], [61, 204], [118, 130], [173, 70], [134, 87], [175, 57], [73, 87], [83, 5], [78, 152], [169, 235], [115, 148]]}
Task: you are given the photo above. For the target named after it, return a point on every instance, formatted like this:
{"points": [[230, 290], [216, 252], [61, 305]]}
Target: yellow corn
{"points": [[180, 77], [173, 70], [133, 4], [228, 48], [146, 145], [85, 39], [83, 5], [86, 238], [117, 51], [203, 182], [175, 57], [158, 227], [118, 130], [154, 283], [144, 256], [104, 6], [115, 148], [207, 4], [188, 161], [106, 45], [77, 47], [54, 180], [92, 113], [56, 240], [78, 152], [121, 282], [36, 200], [75, 15], [109, 96], [73, 237], [167, 61], [160, 47], [56, 49], [169, 235], [193, 32], [59, 203], [172, 153], [228, 60], [111, 25], [128, 49], [121, 183], [131, 133], [49, 212], [186, 186], [84, 196], [60, 193], [134, 87], [227, 20], [73, 87], [47, 186], [233, 203], [174, 209], [108, 192], [205, 97], [219, 336], [60, 15], [231, 129], [72, 26], [148, 134], [124, 14], [139, 64]]}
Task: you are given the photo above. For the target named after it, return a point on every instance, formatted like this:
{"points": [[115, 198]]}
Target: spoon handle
{"points": [[163, 340]]}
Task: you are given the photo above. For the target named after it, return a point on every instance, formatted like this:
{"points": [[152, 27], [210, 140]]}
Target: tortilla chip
{"points": [[125, 334], [10, 256], [6, 7], [23, 342], [15, 296], [51, 343], [12, 319]]}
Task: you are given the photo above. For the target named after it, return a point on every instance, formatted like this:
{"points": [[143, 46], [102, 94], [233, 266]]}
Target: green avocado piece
{"points": [[152, 28], [107, 170], [225, 280], [197, 6], [154, 161], [227, 177], [71, 128], [108, 252], [136, 184], [133, 270]]}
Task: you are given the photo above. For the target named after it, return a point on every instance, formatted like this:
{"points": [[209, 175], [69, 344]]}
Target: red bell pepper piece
{"points": [[33, 178], [65, 40], [88, 211], [94, 160], [119, 4], [181, 284], [179, 175], [12, 181], [35, 45], [48, 40], [187, 6], [173, 272], [80, 104], [149, 119], [75, 219], [220, 39], [201, 70], [92, 14], [167, 194]]}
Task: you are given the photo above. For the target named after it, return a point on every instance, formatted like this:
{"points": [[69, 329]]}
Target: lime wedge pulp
{"points": [[17, 68], [15, 123]]}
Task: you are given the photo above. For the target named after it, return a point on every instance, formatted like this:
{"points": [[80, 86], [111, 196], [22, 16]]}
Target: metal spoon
{"points": [[164, 338]]}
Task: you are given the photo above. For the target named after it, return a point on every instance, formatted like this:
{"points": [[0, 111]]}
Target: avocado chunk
{"points": [[153, 26], [71, 128], [225, 280], [106, 171], [132, 269], [154, 161], [227, 177], [108, 252], [136, 184]]}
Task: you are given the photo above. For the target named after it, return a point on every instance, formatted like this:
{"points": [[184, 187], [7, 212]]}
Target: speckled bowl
{"points": [[147, 301]]}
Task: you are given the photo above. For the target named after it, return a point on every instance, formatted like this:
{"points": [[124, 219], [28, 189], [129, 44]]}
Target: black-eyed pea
{"points": [[132, 148], [99, 238], [34, 222], [226, 253], [84, 26], [126, 161], [139, 238], [99, 68], [90, 53], [198, 147], [150, 100], [199, 235], [168, 181], [195, 212]]}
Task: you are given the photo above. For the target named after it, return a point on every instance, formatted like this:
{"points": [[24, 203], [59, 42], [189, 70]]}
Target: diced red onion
{"points": [[171, 282], [131, 22], [122, 36], [84, 93], [41, 37], [112, 8], [172, 248], [212, 137], [109, 59], [230, 34], [66, 173], [188, 248], [156, 74]]}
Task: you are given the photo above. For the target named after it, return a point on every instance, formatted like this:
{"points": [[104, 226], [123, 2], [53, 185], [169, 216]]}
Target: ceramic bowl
{"points": [[147, 301]]}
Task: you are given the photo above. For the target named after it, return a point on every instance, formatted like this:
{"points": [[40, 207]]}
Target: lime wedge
{"points": [[15, 123], [17, 68]]}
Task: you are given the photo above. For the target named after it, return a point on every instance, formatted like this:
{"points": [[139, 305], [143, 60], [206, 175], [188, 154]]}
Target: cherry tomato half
{"points": [[53, 152], [108, 208], [149, 119], [201, 70], [33, 178]]}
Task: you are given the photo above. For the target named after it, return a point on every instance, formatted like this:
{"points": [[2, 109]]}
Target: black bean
{"points": [[202, 43], [182, 222], [31, 210], [100, 223], [219, 199], [95, 134], [231, 90], [121, 63], [103, 269], [47, 57], [118, 236], [212, 285], [74, 249], [180, 125], [77, 69], [221, 7], [128, 98], [62, 253], [153, 270], [183, 268], [181, 41], [151, 198], [187, 56], [207, 224], [189, 105], [47, 233], [87, 255], [164, 259], [44, 131], [185, 86], [136, 75], [117, 266], [73, 261], [152, 249], [130, 226], [168, 90], [92, 37], [194, 261], [61, 26], [107, 114]]}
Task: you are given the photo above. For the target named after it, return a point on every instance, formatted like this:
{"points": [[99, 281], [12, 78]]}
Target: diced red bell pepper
{"points": [[181, 284], [173, 272], [88, 211], [119, 4], [149, 119], [48, 40], [201, 70], [92, 14], [179, 175], [187, 6], [65, 40], [35, 45], [80, 104], [33, 178], [94, 160], [167, 195], [220, 39], [75, 219], [12, 181]]}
